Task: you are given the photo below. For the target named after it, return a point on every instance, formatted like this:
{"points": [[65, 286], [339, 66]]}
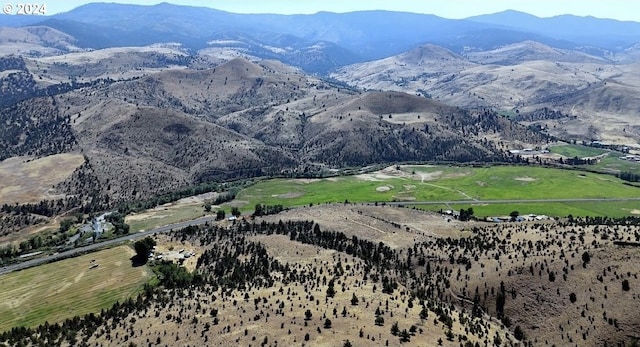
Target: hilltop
{"points": [[326, 275], [597, 96]]}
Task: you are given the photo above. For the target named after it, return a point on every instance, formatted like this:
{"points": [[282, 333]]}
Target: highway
{"points": [[100, 245], [505, 201], [203, 220]]}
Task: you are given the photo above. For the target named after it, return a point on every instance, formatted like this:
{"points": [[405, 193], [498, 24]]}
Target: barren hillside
{"points": [[239, 119], [518, 78], [380, 275], [35, 41]]}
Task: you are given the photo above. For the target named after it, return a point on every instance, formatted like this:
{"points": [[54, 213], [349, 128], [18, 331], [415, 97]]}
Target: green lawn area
{"points": [[60, 290], [614, 163], [440, 183], [611, 162], [579, 151], [295, 192]]}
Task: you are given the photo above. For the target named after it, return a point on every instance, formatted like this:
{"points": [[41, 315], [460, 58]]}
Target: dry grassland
{"points": [[562, 284], [277, 314], [181, 210], [26, 180]]}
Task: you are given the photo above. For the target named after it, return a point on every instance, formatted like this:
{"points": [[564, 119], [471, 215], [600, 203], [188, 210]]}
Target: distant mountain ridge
{"points": [[598, 96], [605, 33], [337, 38]]}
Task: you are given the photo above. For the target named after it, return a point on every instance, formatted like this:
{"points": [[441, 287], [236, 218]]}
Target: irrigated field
{"points": [[614, 163], [611, 162], [443, 183], [613, 209], [579, 151], [60, 290]]}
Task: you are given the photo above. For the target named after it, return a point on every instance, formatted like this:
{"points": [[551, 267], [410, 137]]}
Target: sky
{"points": [[455, 9]]}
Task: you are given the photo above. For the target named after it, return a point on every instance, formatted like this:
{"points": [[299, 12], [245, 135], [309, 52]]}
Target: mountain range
{"points": [[149, 134], [166, 96], [342, 38]]}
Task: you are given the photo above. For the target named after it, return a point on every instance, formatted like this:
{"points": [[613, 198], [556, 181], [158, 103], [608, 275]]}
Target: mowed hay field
{"points": [[60, 290], [449, 183], [164, 215]]}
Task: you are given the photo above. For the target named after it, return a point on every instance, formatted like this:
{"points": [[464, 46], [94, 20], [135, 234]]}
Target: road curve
{"points": [[203, 220]]}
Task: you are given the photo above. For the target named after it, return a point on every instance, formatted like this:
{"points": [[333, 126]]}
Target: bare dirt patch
{"points": [[382, 223], [525, 179], [290, 195], [636, 211], [184, 253], [369, 177], [198, 199], [429, 176], [305, 180], [383, 189], [27, 180]]}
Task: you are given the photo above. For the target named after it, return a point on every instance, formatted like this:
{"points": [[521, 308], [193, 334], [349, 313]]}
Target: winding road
{"points": [[202, 220]]}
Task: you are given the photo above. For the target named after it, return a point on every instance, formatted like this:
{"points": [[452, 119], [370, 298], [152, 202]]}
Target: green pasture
{"points": [[611, 162], [444, 183], [579, 151]]}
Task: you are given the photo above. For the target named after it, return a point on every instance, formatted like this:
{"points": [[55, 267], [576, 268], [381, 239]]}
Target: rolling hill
{"points": [[180, 126], [518, 78]]}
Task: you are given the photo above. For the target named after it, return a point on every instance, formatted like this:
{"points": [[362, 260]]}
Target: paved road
{"points": [[93, 247], [203, 220], [505, 201]]}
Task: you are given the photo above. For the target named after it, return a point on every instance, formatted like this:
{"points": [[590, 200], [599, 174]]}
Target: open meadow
{"points": [[461, 185], [579, 151], [611, 162], [60, 290]]}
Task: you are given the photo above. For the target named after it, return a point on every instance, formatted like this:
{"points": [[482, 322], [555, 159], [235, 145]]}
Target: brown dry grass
{"points": [[541, 307], [244, 322], [376, 223], [603, 96], [27, 180]]}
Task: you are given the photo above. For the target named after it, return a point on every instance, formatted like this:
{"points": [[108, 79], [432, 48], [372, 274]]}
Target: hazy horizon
{"points": [[623, 10]]}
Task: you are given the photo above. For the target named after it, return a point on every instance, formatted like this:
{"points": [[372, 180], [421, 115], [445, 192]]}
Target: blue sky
{"points": [[614, 9]]}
